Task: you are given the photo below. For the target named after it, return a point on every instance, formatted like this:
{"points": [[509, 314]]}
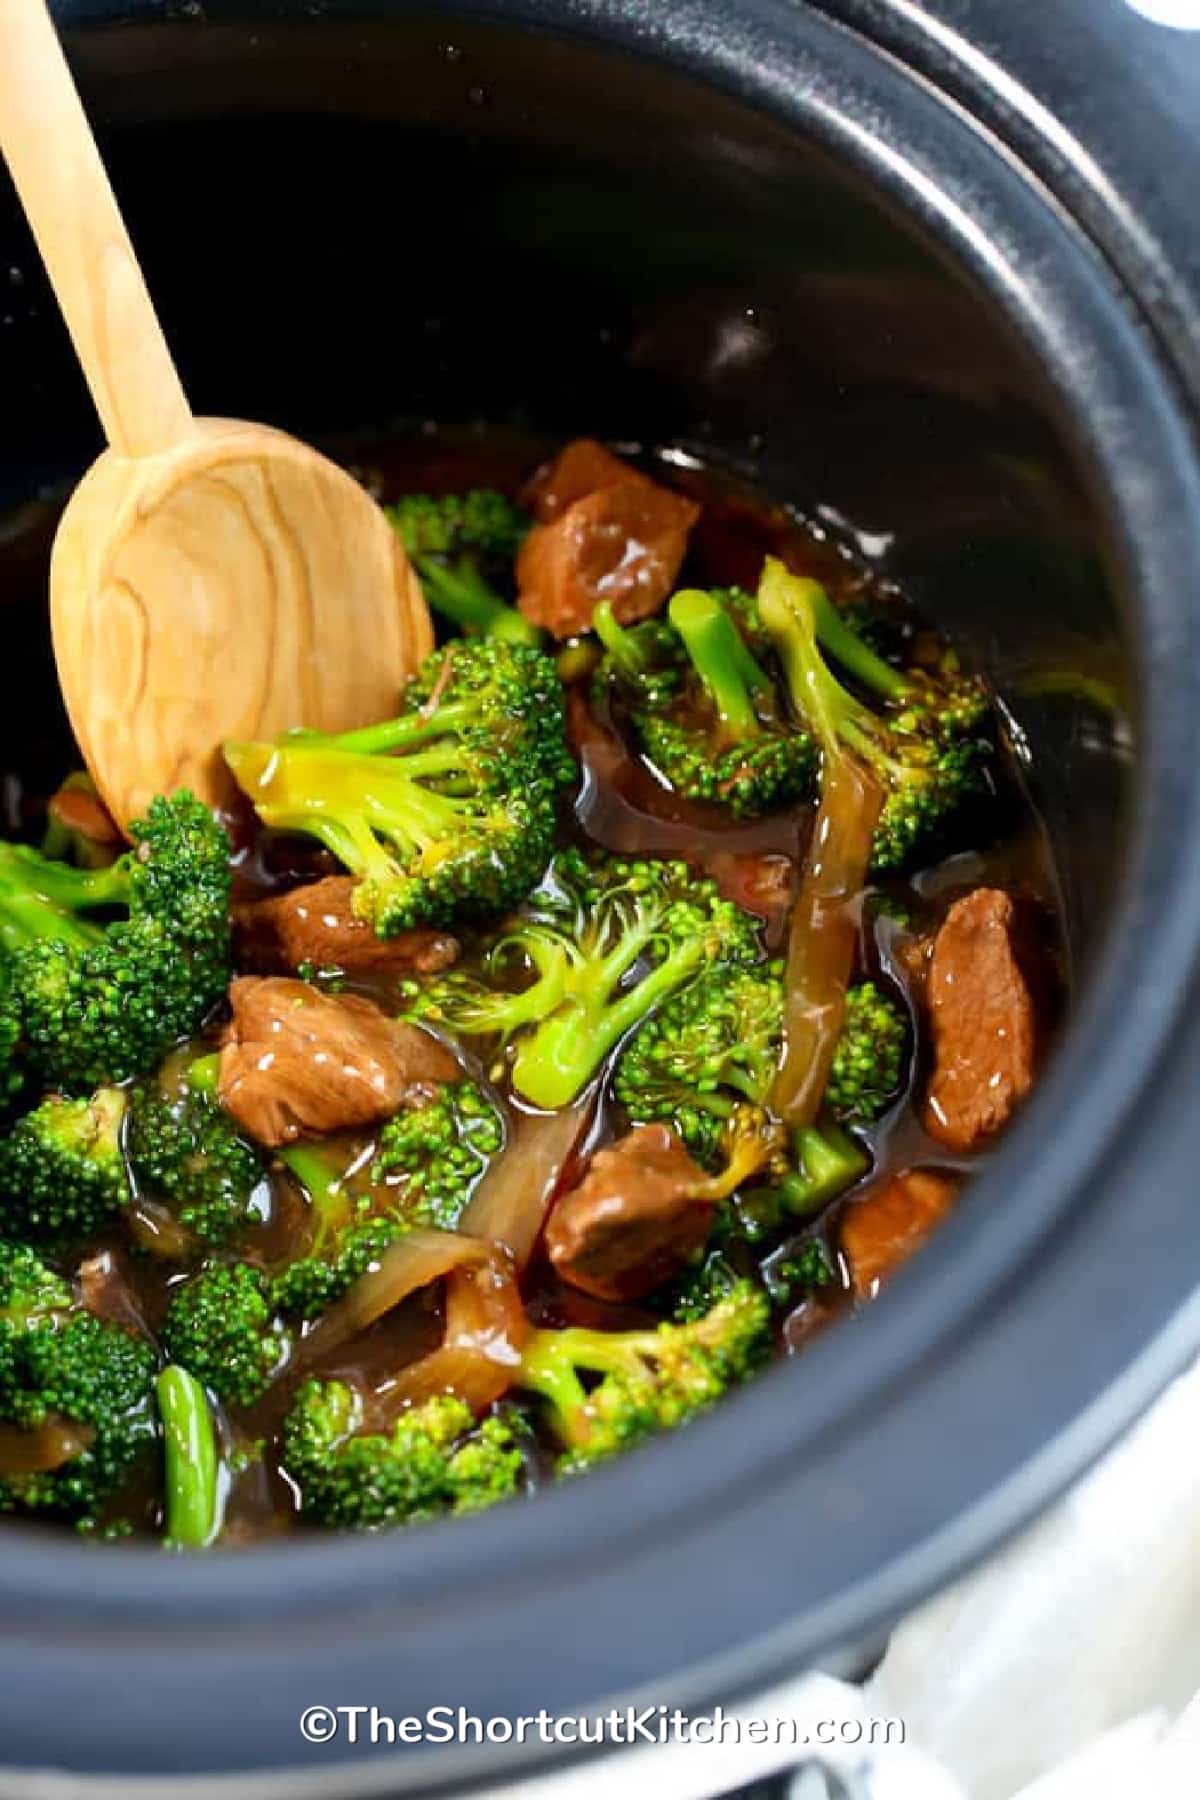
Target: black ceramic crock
{"points": [[878, 284]]}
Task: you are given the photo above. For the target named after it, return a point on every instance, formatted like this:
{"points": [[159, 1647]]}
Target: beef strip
{"points": [[580, 468], [634, 1221], [883, 1229], [317, 924], [605, 532], [982, 1019], [297, 1063]]}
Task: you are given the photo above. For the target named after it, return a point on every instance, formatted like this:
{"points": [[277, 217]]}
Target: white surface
{"points": [[1076, 1650], [1183, 14]]}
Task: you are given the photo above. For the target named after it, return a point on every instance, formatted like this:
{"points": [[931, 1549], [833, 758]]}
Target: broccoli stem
{"points": [[192, 1465], [720, 657], [41, 899], [459, 592], [857, 658], [342, 797], [827, 1162], [419, 728], [554, 1064], [628, 656], [327, 1197]]}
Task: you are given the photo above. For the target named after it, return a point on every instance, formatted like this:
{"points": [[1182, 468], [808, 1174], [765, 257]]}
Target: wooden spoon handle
{"points": [[60, 178]]}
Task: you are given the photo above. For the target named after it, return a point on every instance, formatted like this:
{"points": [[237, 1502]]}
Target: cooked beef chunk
{"points": [[297, 1062], [634, 1221], [883, 1229], [317, 924], [605, 532], [982, 1017]]}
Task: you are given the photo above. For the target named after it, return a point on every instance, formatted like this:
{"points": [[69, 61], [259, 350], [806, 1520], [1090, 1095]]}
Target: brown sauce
{"points": [[618, 804]]}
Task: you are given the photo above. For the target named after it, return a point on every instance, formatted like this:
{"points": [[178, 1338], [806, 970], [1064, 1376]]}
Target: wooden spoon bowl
{"points": [[210, 579], [233, 586]]}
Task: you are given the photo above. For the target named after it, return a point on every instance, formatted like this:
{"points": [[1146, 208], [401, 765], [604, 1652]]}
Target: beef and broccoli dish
{"points": [[494, 1086]]}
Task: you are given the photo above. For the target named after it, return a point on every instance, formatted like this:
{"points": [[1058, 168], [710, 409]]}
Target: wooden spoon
{"points": [[210, 579]]}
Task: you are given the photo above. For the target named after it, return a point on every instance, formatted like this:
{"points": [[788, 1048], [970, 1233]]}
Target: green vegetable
{"points": [[709, 720], [61, 1168], [788, 1278], [100, 999], [446, 811], [186, 1152], [433, 1460], [603, 942], [431, 1156], [827, 1162], [717, 1044], [460, 544], [649, 1380], [221, 1327], [190, 1453], [868, 1063], [922, 737], [428, 1161], [62, 1370]]}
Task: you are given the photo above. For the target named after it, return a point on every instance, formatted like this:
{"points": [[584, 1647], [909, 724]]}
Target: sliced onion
{"points": [[485, 1325], [153, 1229], [412, 1262], [480, 1353], [510, 1203], [823, 934], [46, 1447]]}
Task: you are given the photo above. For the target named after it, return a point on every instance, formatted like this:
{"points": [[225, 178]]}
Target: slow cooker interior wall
{"points": [[351, 225]]}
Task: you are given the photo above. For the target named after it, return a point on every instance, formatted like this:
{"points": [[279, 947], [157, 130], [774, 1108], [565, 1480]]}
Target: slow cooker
{"points": [[929, 269]]}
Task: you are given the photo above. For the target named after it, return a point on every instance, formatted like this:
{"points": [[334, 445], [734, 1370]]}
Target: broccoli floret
{"points": [[820, 1163], [185, 1152], [649, 1380], [76, 1395], [709, 722], [446, 811], [645, 662], [717, 1044], [868, 1063], [101, 1001], [788, 1278], [430, 1157], [307, 1286], [725, 742], [460, 545], [61, 1168], [731, 1259], [343, 1240], [221, 1326], [428, 1162], [604, 940], [12, 1075], [708, 1047], [712, 1278], [433, 1460], [923, 738]]}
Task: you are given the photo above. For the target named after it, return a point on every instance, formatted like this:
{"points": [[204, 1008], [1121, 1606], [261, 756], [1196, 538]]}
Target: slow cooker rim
{"points": [[500, 1534], [607, 9]]}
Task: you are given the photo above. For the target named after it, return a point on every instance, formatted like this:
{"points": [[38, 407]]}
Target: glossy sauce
{"points": [[618, 804]]}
